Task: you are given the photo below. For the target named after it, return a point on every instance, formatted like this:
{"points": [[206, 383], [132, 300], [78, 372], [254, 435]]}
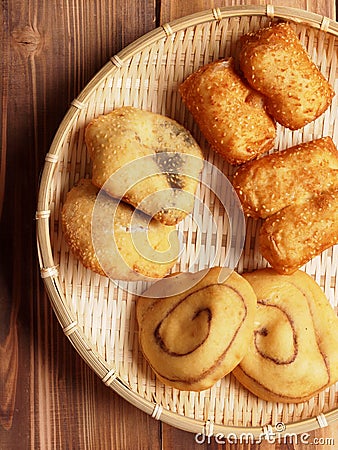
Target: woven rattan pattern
{"points": [[97, 315]]}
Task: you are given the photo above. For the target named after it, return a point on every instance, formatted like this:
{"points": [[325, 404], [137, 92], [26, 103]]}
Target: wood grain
{"points": [[173, 10], [49, 398]]}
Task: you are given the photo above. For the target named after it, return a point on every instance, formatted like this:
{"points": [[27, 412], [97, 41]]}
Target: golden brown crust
{"points": [[271, 183], [110, 238], [194, 338], [79, 205], [299, 232], [156, 161], [293, 354], [229, 113], [275, 63]]}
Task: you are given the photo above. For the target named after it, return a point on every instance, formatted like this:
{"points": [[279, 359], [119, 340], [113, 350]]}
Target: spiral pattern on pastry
{"points": [[193, 339], [293, 353]]}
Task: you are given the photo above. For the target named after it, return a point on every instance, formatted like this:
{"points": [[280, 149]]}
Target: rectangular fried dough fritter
{"points": [[275, 63], [299, 232], [275, 181], [229, 113]]}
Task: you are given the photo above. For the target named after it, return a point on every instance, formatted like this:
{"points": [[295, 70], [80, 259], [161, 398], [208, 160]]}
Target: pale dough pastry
{"points": [[195, 337], [113, 239], [293, 354]]}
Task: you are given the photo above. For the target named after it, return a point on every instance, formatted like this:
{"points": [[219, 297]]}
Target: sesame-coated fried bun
{"points": [[275, 63], [296, 234], [271, 183], [113, 239], [229, 112], [295, 191], [148, 160]]}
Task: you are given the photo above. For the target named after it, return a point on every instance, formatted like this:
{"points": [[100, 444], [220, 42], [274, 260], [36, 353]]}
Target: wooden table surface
{"points": [[49, 398]]}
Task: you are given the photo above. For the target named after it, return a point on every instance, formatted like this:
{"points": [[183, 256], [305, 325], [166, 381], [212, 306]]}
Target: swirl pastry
{"points": [[147, 160], [275, 63], [229, 113], [293, 353], [271, 183], [195, 337], [299, 232], [112, 239]]}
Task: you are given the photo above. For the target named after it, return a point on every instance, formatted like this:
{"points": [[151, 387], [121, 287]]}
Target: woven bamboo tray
{"points": [[95, 313]]}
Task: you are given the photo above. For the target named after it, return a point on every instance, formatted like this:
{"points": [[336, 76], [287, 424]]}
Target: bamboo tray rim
{"points": [[49, 271]]}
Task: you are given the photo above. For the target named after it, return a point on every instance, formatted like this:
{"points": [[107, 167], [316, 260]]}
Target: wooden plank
{"points": [[173, 10], [49, 398]]}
